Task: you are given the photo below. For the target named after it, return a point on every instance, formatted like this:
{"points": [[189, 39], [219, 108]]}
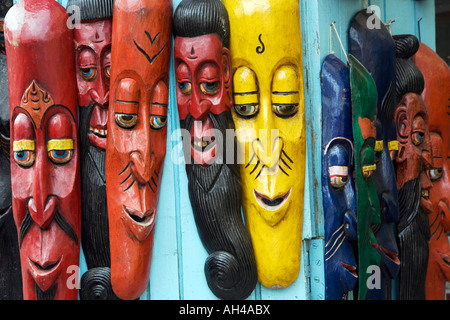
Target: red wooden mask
{"points": [[93, 64], [44, 146], [203, 72], [136, 143], [436, 96]]}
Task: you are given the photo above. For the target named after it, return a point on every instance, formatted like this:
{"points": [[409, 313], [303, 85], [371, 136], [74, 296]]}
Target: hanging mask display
{"points": [[412, 161], [136, 143], [436, 96], [203, 76], [375, 49], [44, 147], [338, 186], [266, 54]]}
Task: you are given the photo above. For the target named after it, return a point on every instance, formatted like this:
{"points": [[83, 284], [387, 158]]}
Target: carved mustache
{"points": [[283, 153], [60, 220], [130, 176]]}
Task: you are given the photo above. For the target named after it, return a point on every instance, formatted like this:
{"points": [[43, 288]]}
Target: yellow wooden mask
{"points": [[266, 51]]}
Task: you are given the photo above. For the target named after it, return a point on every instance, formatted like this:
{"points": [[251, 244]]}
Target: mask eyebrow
{"points": [[281, 93]]}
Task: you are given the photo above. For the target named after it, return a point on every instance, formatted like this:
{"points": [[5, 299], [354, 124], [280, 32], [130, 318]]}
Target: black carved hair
{"points": [[195, 18], [92, 9], [409, 77]]}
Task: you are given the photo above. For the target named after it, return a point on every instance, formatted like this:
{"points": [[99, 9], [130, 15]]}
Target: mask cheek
{"points": [[350, 225]]}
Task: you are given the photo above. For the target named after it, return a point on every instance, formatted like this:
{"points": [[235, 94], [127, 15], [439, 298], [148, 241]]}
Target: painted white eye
{"points": [[435, 174], [338, 176]]}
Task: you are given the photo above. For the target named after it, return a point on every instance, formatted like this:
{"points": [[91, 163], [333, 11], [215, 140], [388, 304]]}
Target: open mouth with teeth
{"points": [[269, 203], [102, 133], [203, 142], [97, 136]]}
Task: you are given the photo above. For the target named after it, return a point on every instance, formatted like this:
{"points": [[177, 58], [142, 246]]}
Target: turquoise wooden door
{"points": [[179, 256]]}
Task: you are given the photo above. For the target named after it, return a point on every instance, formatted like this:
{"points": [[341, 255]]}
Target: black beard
{"points": [[94, 210], [96, 282], [413, 236], [215, 194]]}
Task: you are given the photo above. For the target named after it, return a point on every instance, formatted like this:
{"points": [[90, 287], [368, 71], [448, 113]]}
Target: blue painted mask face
{"points": [[375, 49], [338, 186]]}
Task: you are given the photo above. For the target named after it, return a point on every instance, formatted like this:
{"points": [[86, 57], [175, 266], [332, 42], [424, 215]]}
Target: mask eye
{"points": [[185, 87], [89, 74], [24, 152], [393, 154], [247, 110], [158, 122], [435, 174], [24, 158], [107, 72], [209, 88], [417, 138], [60, 151], [126, 121], [285, 110], [338, 176], [60, 156]]}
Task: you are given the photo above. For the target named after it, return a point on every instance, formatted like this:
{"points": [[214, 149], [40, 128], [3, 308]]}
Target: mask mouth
{"points": [[139, 217], [393, 256], [45, 267], [445, 258], [99, 132], [271, 204], [204, 144]]}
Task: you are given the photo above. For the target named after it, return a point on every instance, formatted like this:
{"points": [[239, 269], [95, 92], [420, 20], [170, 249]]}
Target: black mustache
{"points": [[60, 220]]}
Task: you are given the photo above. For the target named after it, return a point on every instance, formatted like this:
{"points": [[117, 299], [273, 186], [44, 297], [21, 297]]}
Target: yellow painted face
{"points": [[266, 51]]}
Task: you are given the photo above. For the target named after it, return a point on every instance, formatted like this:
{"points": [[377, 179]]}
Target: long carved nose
{"points": [[42, 211], [139, 167], [267, 152]]}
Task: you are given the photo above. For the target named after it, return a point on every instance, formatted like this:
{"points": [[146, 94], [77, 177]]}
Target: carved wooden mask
{"points": [[364, 113], [268, 112], [44, 147], [136, 144], [338, 186], [412, 161], [203, 75], [436, 96], [92, 45]]}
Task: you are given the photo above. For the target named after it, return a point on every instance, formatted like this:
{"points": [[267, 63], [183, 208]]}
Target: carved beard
{"points": [[215, 194], [414, 235], [96, 282]]}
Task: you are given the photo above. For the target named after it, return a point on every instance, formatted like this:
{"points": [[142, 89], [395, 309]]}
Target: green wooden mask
{"points": [[364, 111]]}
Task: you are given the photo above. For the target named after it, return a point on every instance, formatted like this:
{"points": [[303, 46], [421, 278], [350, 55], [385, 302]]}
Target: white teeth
{"points": [[425, 193], [100, 132]]}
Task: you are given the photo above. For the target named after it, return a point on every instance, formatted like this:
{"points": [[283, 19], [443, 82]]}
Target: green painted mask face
{"points": [[364, 110]]}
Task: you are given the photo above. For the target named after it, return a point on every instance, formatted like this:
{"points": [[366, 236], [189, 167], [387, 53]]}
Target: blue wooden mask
{"points": [[338, 186], [375, 49]]}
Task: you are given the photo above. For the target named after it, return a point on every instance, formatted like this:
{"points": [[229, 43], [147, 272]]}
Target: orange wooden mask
{"points": [[44, 147], [136, 142], [436, 96]]}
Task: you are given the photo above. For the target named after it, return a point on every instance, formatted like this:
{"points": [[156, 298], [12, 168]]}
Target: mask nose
{"points": [[140, 168], [100, 97], [201, 110], [268, 151]]}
